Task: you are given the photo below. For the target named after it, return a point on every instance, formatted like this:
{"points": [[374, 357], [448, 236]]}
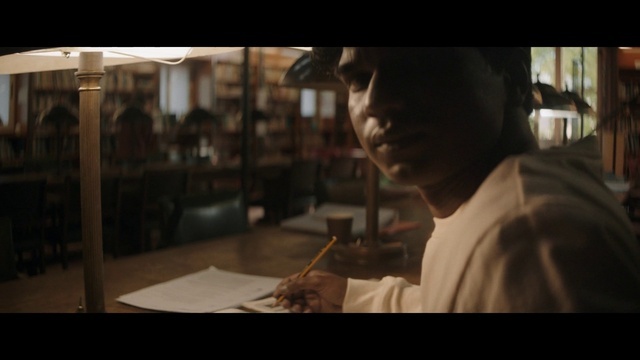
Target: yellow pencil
{"points": [[307, 268]]}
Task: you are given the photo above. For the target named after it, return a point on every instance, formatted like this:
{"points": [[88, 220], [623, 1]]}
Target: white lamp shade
{"points": [[67, 57]]}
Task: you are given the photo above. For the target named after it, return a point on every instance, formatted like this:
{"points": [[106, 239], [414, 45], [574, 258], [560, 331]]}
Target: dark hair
{"points": [[325, 59], [502, 58]]}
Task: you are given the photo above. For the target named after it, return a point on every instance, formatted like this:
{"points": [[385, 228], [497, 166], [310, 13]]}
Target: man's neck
{"points": [[444, 198]]}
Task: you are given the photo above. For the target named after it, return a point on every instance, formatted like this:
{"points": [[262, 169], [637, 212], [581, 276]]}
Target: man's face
{"points": [[423, 114]]}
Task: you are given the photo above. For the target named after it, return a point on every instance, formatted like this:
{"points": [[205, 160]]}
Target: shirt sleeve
{"points": [[388, 295], [533, 263]]}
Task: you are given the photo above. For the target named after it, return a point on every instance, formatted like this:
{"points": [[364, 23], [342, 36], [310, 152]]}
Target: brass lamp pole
{"points": [[90, 71]]}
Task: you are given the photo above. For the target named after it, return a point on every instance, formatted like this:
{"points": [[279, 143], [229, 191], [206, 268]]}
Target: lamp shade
{"points": [[30, 60], [302, 74], [552, 98], [582, 106], [536, 97]]}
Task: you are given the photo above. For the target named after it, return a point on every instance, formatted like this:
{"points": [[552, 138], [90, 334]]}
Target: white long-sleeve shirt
{"points": [[542, 233]]}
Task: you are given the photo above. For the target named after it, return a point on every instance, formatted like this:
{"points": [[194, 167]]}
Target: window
{"points": [[309, 102], [572, 69]]}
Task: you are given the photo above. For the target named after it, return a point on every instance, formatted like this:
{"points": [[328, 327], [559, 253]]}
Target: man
{"points": [[517, 229]]}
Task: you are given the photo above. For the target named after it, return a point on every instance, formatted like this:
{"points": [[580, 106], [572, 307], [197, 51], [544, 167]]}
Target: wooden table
{"points": [[264, 250]]}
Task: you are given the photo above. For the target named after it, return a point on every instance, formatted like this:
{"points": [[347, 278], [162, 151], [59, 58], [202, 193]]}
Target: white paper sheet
{"points": [[208, 290], [264, 306]]}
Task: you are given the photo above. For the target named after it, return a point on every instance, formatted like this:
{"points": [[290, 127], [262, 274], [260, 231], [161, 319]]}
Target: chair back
{"points": [[158, 184], [343, 168], [208, 179], [303, 180], [23, 201], [72, 213], [8, 270], [134, 136], [201, 217], [163, 182], [303, 177], [111, 204]]}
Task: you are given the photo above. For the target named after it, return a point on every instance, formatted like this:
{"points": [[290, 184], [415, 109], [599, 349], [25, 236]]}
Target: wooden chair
{"points": [[134, 138], [302, 183], [57, 129], [208, 180], [286, 192], [343, 182], [23, 201], [111, 198], [199, 127], [343, 168], [157, 184], [268, 190], [8, 269], [72, 214]]}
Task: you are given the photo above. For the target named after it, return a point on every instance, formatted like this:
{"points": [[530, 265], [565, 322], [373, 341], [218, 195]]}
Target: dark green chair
{"points": [[200, 217]]}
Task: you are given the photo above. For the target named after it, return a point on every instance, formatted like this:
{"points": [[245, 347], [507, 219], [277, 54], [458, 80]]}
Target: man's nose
{"points": [[385, 95]]}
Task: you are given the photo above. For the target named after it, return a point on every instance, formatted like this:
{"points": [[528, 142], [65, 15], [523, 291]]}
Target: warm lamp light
{"points": [[117, 52]]}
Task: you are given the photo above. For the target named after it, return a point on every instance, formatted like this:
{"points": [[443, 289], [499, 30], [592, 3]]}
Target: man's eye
{"points": [[358, 82]]}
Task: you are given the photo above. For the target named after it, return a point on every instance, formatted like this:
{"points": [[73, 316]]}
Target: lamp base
{"points": [[364, 254]]}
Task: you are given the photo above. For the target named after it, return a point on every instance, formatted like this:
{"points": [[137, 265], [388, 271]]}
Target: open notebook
{"points": [[209, 290]]}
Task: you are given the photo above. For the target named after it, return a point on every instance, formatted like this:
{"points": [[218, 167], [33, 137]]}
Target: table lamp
{"points": [[90, 63]]}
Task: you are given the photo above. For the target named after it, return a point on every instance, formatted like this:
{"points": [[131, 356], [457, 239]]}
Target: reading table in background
{"points": [[263, 250]]}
